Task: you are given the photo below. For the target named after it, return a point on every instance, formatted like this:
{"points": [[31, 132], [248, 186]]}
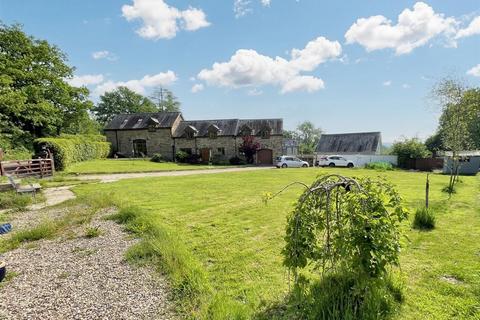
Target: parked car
{"points": [[290, 162], [335, 161]]}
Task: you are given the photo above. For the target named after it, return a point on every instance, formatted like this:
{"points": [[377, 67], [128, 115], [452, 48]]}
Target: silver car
{"points": [[290, 162]]}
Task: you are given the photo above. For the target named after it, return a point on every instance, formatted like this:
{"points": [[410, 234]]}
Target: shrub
{"points": [[181, 156], [424, 219], [381, 166], [236, 160], [409, 149], [219, 159], [157, 157], [193, 159], [68, 149]]}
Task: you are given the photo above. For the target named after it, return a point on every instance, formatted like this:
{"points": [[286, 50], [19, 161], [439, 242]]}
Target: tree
{"points": [[308, 136], [35, 98], [455, 122], [121, 100], [409, 149], [434, 143], [249, 147], [165, 100]]}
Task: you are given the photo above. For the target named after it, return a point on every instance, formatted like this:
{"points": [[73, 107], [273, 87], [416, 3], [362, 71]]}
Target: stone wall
{"points": [[159, 141]]}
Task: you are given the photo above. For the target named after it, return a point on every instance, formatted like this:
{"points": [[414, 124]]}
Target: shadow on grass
{"points": [[338, 296]]}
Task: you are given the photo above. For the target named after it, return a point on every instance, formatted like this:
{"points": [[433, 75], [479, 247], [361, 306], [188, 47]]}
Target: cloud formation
{"points": [[85, 80], [197, 88], [162, 21], [104, 54], [140, 85], [414, 29], [248, 68], [475, 71], [472, 29]]}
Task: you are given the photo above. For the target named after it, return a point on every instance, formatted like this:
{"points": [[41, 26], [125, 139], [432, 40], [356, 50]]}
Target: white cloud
{"points": [[104, 54], [472, 29], [387, 83], [139, 86], [85, 80], [161, 21], [248, 68], [197, 88], [266, 3], [414, 29], [475, 71], [254, 92], [405, 86]]}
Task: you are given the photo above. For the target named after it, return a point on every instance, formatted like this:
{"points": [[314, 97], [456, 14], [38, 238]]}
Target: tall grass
{"points": [[13, 200], [380, 166], [424, 219]]}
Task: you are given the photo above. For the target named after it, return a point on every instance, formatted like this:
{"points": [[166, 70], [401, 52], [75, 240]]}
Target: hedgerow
{"points": [[68, 149]]}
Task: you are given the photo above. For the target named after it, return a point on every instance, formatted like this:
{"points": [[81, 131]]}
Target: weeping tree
{"points": [[348, 227]]}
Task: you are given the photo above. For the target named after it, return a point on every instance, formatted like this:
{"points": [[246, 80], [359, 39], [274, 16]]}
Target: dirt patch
{"points": [[451, 279]]}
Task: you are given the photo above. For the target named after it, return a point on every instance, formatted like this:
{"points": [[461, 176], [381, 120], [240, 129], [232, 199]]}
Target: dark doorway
{"points": [[139, 148]]}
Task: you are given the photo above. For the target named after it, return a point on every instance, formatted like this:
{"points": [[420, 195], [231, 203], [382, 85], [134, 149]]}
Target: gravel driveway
{"points": [[82, 278], [119, 176]]}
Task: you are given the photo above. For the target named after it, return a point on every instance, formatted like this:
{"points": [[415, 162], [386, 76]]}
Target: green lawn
{"points": [[127, 165], [236, 240]]}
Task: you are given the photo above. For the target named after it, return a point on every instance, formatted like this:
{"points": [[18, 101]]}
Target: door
{"points": [[265, 157], [298, 162], [139, 148], [205, 154]]}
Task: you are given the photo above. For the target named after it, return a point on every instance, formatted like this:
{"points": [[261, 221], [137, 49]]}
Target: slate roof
{"points": [[362, 142], [227, 127], [230, 127], [142, 120]]}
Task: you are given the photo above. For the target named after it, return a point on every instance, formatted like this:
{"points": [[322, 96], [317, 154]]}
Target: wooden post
{"points": [[1, 169], [427, 190]]}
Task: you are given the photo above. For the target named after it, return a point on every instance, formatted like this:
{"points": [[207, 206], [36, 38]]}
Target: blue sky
{"points": [[292, 59]]}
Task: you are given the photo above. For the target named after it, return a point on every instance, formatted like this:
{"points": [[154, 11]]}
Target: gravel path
{"points": [[82, 278], [54, 196], [119, 176]]}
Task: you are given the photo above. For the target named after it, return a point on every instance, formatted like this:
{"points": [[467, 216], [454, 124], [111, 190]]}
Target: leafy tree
{"points": [[455, 122], [165, 100], [290, 134], [121, 100], [434, 143], [409, 149], [471, 104], [249, 147], [308, 136], [35, 98]]}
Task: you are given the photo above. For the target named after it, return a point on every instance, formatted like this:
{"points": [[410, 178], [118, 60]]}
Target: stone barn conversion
{"points": [[145, 134]]}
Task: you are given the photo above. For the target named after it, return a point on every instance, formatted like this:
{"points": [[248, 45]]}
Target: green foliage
{"points": [[308, 136], [341, 296], [409, 149], [424, 219], [236, 160], [35, 98], [348, 228], [92, 232], [121, 100], [380, 166], [157, 157], [165, 100], [181, 156], [68, 149], [434, 143], [13, 200]]}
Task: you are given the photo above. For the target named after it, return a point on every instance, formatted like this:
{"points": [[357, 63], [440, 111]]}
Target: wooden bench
{"points": [[31, 188]]}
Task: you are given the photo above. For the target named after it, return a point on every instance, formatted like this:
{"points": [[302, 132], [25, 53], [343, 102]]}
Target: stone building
{"points": [[144, 134]]}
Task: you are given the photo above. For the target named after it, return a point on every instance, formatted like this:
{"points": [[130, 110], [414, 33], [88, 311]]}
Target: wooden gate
{"points": [[27, 168], [264, 157]]}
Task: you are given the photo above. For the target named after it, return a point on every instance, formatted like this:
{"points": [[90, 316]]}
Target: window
{"points": [[186, 150], [212, 134], [265, 134], [189, 134], [152, 128], [221, 151], [245, 131]]}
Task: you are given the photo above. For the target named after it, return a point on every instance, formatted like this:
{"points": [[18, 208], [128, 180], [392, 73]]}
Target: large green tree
{"points": [[35, 98], [409, 149], [308, 135], [121, 100], [165, 100]]}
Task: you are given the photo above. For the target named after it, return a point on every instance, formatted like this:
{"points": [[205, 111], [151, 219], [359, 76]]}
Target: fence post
{"points": [[1, 169]]}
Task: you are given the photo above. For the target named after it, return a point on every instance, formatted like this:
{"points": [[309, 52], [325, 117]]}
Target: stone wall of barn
{"points": [[159, 141]]}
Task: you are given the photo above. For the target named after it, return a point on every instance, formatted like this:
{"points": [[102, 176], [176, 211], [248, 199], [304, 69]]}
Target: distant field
{"points": [[127, 165], [237, 240]]}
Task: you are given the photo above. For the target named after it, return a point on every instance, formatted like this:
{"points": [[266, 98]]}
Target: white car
{"points": [[290, 162], [335, 161]]}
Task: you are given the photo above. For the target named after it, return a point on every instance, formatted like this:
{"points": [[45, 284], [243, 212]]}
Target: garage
{"points": [[265, 157]]}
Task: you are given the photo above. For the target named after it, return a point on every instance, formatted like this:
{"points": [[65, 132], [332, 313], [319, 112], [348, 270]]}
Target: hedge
{"points": [[68, 149]]}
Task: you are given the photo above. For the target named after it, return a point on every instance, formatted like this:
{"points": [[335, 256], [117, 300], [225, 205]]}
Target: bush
{"points": [[409, 149], [381, 166], [181, 156], [68, 149], [219, 159], [424, 219], [236, 161], [193, 159], [157, 157]]}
